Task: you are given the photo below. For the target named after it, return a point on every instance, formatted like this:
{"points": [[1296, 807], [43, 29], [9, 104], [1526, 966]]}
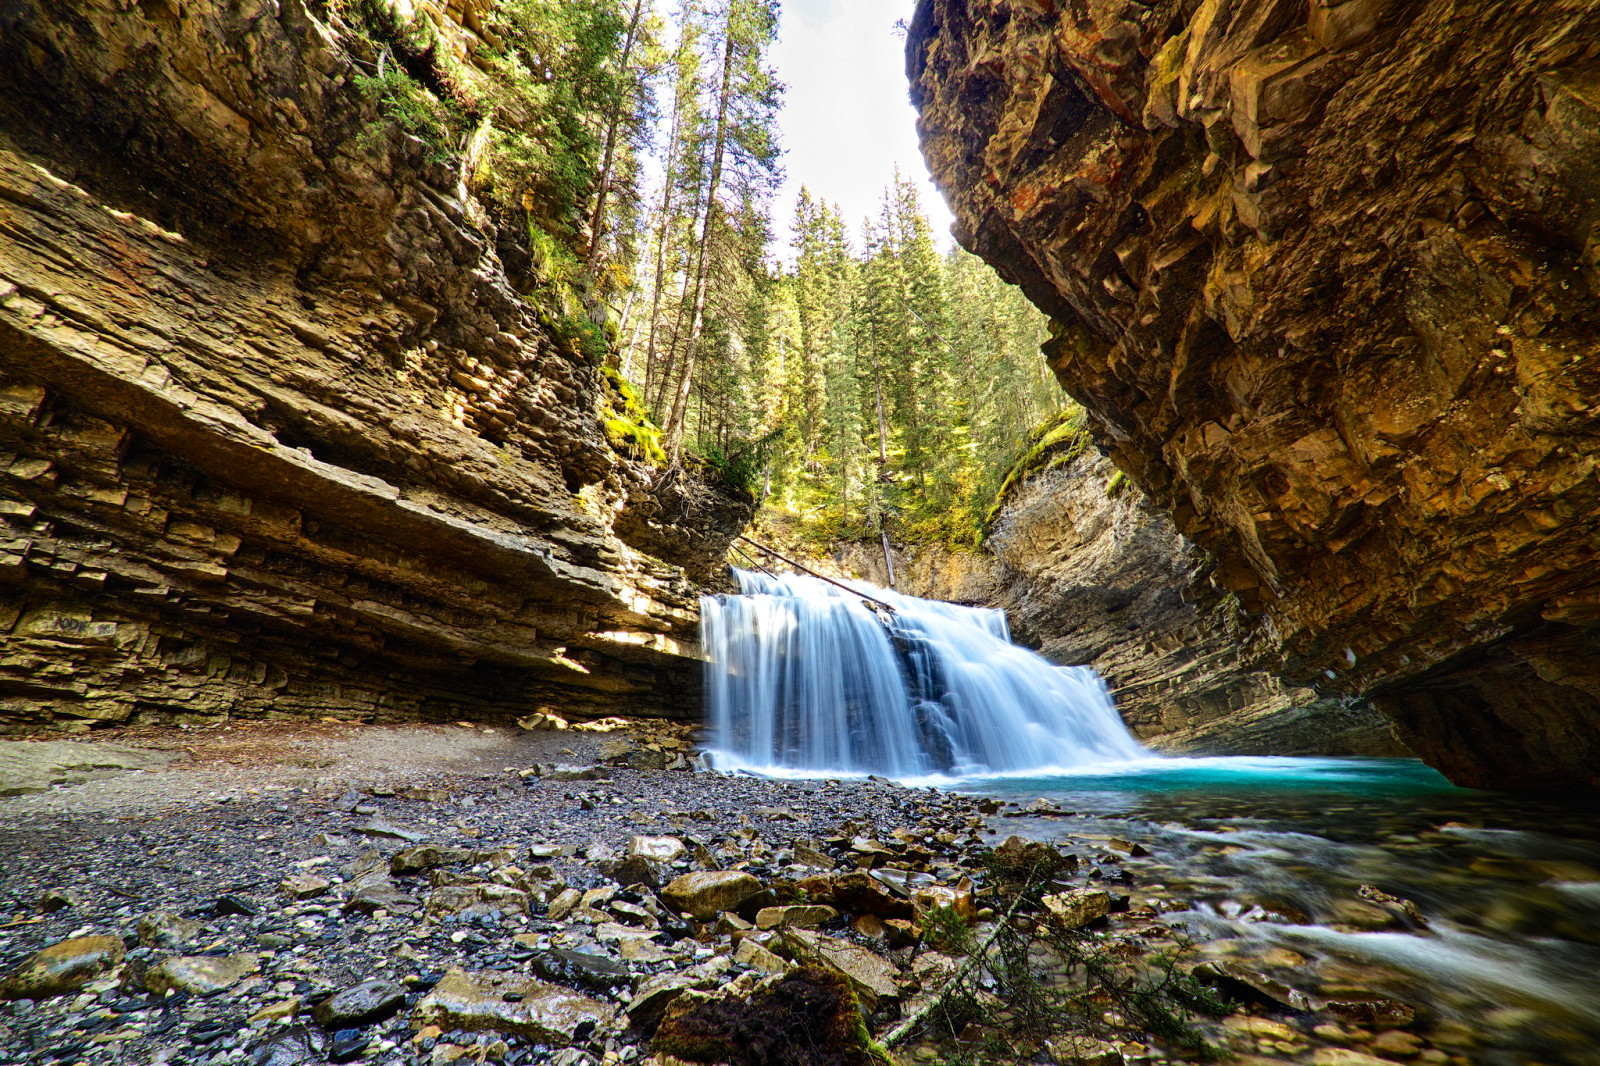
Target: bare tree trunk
{"points": [[661, 251], [611, 144], [697, 320]]}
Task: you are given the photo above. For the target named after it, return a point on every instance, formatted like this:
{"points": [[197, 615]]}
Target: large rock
{"points": [[545, 1013], [201, 975], [1327, 288], [706, 893], [273, 356], [369, 1001], [63, 967], [872, 976]]}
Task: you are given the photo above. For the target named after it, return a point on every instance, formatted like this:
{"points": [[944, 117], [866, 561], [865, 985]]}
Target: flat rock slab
{"points": [[543, 1012], [63, 967], [201, 975], [33, 767]]}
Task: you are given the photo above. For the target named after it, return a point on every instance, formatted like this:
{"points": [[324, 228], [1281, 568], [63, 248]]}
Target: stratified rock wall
{"points": [[1324, 274], [1091, 573], [277, 436]]}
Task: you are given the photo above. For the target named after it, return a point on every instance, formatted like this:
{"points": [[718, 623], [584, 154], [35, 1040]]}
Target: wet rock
{"points": [[903, 883], [1077, 907], [856, 893], [63, 967], [1020, 859], [598, 973], [167, 929], [362, 1004], [870, 974], [304, 886], [233, 904], [798, 915], [958, 898], [541, 1012], [869, 925], [1126, 847], [415, 860], [1396, 1043], [1393, 904], [705, 893], [656, 849], [1371, 1010], [201, 975]]}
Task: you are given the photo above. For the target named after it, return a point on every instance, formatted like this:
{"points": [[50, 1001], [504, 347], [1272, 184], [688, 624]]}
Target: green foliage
{"points": [[741, 463], [944, 929], [414, 85], [1055, 442], [1115, 486], [629, 427]]}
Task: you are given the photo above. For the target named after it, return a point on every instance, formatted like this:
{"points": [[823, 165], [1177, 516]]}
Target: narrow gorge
{"points": [[523, 541]]}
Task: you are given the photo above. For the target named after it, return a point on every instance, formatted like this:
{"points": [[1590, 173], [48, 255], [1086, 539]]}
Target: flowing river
{"points": [[1304, 880]]}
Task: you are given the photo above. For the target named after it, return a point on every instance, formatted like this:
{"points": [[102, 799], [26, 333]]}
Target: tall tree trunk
{"points": [[661, 248], [611, 143], [697, 320]]}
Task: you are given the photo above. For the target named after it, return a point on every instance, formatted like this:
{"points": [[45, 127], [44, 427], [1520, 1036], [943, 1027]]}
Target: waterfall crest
{"points": [[804, 676]]}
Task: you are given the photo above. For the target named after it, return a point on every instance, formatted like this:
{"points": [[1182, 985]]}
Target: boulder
{"points": [[1077, 907], [62, 967], [541, 1012], [800, 915], [362, 1004], [200, 975], [705, 893], [872, 976]]}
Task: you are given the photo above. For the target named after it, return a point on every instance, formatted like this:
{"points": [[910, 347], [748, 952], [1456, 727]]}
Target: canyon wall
{"points": [[1089, 572], [278, 435], [1324, 274]]}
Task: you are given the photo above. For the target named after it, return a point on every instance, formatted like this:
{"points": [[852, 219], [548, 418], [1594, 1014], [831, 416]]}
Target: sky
{"points": [[847, 119]]}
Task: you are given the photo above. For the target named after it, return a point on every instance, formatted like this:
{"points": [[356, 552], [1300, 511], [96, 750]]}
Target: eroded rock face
{"points": [[277, 435], [1325, 276], [1090, 572]]}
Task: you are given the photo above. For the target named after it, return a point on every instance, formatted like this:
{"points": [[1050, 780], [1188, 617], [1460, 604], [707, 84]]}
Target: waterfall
{"points": [[804, 676]]}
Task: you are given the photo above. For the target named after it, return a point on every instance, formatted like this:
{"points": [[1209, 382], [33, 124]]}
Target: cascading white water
{"points": [[804, 676]]}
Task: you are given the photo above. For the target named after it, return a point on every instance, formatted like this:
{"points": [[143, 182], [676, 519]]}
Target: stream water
{"points": [[1268, 864]]}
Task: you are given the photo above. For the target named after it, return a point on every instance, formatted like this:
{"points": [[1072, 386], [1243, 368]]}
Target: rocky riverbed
{"points": [[435, 894]]}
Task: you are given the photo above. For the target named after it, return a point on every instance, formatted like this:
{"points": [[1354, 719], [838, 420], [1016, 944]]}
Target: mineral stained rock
{"points": [[278, 435], [1324, 275]]}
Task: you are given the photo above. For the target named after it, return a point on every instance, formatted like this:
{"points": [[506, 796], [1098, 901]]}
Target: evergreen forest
{"points": [[853, 376]]}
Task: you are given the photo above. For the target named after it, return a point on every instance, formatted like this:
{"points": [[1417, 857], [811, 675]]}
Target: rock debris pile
{"points": [[578, 914]]}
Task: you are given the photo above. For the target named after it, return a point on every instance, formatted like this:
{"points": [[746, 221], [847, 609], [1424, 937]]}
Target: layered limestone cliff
{"points": [[277, 434], [1324, 274], [1089, 572]]}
